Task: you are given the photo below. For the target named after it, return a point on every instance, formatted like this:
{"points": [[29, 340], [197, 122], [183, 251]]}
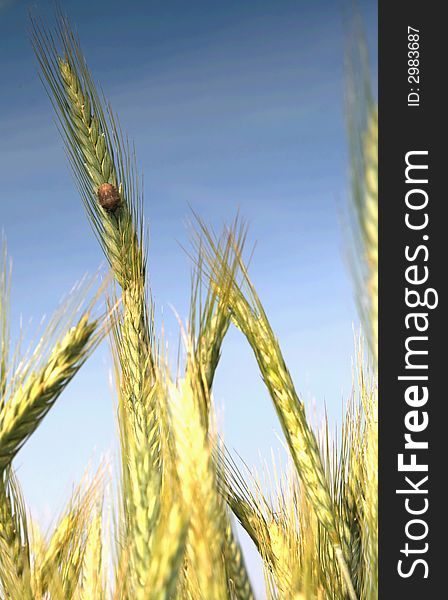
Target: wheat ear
{"points": [[14, 539], [28, 405], [104, 168], [58, 565], [238, 581], [93, 587], [168, 553]]}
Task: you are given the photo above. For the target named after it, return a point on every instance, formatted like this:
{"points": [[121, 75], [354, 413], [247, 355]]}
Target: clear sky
{"points": [[232, 105]]}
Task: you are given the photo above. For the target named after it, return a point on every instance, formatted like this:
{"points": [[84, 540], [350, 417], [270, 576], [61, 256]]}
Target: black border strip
{"points": [[403, 129]]}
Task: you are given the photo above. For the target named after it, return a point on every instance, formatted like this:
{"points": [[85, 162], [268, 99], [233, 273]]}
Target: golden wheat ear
{"points": [[196, 475], [14, 540], [93, 585], [32, 389], [32, 381], [360, 481], [59, 563]]}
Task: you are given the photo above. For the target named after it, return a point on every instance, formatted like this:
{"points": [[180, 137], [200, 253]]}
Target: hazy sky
{"points": [[232, 105]]}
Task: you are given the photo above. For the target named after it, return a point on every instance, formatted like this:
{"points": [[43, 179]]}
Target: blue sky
{"points": [[232, 105]]}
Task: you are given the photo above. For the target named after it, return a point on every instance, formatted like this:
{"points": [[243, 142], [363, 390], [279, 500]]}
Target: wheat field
{"points": [[179, 492]]}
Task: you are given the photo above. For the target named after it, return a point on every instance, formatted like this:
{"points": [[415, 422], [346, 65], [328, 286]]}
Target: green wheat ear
{"points": [[104, 168], [102, 162]]}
